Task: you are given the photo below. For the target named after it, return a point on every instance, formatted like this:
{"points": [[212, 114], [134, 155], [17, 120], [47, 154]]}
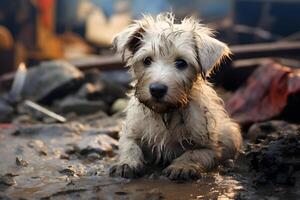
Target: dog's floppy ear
{"points": [[129, 40], [210, 52]]}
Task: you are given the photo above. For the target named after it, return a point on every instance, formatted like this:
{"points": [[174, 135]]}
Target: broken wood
{"points": [[45, 111], [18, 83], [276, 49], [107, 62]]}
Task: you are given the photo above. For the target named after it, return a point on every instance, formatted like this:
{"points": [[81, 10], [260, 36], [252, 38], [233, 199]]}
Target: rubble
{"points": [[7, 180], [6, 111], [38, 146], [71, 159], [102, 145], [51, 80], [108, 91], [21, 162], [274, 128], [70, 171], [80, 106], [275, 157]]}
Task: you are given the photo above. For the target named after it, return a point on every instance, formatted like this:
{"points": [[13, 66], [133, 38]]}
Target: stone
{"points": [[101, 144], [275, 158], [6, 111], [70, 171], [119, 105], [107, 91], [7, 180], [38, 146], [80, 106], [275, 128], [51, 80], [21, 162]]}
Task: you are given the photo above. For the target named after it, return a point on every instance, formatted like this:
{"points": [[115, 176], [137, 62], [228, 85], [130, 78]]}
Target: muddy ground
{"points": [[43, 159], [70, 161]]}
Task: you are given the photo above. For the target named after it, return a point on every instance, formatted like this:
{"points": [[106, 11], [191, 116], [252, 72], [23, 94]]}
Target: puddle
{"points": [[63, 173]]}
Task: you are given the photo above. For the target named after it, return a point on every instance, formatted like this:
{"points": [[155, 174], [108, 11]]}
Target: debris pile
{"points": [[57, 90], [274, 153]]}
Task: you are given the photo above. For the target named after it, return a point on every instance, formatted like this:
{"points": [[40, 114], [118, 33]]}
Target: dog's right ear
{"points": [[129, 40]]}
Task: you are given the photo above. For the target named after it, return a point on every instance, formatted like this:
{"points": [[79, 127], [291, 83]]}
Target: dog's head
{"points": [[166, 58]]}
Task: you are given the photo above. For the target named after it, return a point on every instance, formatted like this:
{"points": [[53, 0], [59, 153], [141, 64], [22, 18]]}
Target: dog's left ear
{"points": [[129, 40], [210, 52]]}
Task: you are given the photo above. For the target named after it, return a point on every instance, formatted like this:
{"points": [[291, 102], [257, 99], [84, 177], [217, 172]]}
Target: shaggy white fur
{"points": [[187, 131]]}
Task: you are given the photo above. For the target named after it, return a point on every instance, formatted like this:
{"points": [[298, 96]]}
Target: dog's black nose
{"points": [[158, 90]]}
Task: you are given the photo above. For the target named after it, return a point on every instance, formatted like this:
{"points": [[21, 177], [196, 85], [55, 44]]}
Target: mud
{"points": [[71, 161], [275, 155], [42, 159]]}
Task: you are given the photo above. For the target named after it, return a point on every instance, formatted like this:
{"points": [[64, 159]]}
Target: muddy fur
{"points": [[188, 132]]}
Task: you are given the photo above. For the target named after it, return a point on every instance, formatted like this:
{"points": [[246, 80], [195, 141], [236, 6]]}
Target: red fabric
{"points": [[265, 93]]}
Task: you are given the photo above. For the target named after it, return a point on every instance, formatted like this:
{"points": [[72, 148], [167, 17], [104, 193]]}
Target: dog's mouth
{"points": [[158, 105]]}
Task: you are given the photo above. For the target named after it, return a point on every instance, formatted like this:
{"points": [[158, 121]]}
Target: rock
{"points": [[100, 144], [70, 171], [275, 128], [117, 76], [93, 157], [64, 157], [51, 80], [80, 106], [275, 158], [119, 105], [6, 111], [7, 180], [21, 162], [86, 90], [38, 146], [107, 91]]}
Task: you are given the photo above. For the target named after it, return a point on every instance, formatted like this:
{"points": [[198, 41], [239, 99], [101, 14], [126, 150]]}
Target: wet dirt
{"points": [[71, 161]]}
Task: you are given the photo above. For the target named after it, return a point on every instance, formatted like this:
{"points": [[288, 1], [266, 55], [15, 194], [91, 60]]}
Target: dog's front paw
{"points": [[126, 171], [181, 172]]}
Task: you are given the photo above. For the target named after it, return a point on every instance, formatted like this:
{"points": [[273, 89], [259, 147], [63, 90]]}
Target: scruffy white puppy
{"points": [[174, 118]]}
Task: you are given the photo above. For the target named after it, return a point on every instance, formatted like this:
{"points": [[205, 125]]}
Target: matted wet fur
{"points": [[187, 131]]}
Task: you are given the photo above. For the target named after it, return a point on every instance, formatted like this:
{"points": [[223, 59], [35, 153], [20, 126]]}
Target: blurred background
{"points": [[63, 92], [36, 30]]}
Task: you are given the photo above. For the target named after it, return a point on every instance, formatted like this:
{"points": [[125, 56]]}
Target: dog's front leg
{"points": [[131, 162], [191, 164]]}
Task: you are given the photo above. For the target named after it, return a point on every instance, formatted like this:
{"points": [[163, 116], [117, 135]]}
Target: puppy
{"points": [[174, 118]]}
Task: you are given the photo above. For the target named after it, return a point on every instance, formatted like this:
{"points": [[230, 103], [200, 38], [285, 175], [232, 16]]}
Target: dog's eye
{"points": [[147, 61], [180, 64]]}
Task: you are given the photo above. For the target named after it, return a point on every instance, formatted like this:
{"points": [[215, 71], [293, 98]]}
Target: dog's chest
{"points": [[169, 127], [165, 137]]}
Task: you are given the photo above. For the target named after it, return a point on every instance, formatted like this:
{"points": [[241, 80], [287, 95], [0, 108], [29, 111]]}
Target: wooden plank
{"points": [[107, 62], [277, 49], [110, 62]]}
